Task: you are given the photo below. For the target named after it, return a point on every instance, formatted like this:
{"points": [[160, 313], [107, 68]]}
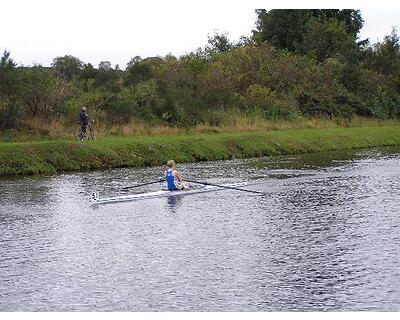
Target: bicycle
{"points": [[89, 134]]}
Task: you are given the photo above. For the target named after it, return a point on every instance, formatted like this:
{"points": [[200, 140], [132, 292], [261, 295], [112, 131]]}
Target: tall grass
{"points": [[39, 130], [243, 124]]}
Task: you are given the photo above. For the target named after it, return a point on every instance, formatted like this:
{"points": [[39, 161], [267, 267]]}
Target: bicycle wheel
{"points": [[77, 134], [92, 133]]}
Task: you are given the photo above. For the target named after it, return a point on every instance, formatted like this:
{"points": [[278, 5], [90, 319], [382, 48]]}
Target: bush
{"points": [[10, 114]]}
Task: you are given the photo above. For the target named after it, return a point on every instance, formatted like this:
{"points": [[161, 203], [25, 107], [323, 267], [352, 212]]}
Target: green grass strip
{"points": [[47, 157]]}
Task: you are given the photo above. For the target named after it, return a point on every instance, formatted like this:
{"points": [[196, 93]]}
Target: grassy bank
{"points": [[41, 130], [57, 156]]}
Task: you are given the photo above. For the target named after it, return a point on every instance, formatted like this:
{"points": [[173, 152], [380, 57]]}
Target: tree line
{"points": [[296, 63]]}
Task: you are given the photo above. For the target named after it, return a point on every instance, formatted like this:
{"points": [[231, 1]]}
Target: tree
{"points": [[327, 40], [137, 71], [106, 76], [41, 92], [6, 61], [243, 41], [145, 93], [88, 72], [287, 28], [384, 57], [7, 74], [284, 29], [67, 67], [10, 90], [219, 43], [133, 61], [351, 19]]}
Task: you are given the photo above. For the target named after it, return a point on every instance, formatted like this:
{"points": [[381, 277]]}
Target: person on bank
{"points": [[84, 121], [174, 178]]}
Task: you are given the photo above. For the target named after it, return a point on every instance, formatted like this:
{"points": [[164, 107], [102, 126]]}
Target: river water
{"points": [[326, 236]]}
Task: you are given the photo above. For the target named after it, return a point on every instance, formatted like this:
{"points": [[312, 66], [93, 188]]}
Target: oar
{"points": [[225, 187], [143, 184]]}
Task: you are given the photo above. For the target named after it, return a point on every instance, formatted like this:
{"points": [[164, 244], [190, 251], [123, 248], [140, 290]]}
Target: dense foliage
{"points": [[298, 62]]}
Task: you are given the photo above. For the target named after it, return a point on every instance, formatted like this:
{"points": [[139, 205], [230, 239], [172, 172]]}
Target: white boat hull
{"points": [[160, 194]]}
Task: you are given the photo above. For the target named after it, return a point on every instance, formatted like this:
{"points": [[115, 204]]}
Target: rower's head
{"points": [[171, 164], [83, 109]]}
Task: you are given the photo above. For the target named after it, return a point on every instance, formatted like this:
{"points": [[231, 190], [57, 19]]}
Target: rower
{"points": [[174, 178]]}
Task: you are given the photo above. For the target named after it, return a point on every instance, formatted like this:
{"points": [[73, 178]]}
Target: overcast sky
{"points": [[117, 30]]}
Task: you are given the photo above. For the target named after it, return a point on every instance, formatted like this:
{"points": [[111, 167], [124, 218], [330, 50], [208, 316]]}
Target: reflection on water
{"points": [[326, 237], [173, 202]]}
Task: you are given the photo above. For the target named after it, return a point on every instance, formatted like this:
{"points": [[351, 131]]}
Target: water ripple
{"points": [[325, 237]]}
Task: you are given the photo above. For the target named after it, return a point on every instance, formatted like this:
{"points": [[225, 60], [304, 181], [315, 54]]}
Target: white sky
{"points": [[37, 31]]}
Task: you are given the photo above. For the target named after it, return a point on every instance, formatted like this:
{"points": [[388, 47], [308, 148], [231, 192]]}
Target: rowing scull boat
{"points": [[160, 194]]}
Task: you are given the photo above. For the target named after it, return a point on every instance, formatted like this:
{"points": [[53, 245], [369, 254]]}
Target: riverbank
{"points": [[46, 157]]}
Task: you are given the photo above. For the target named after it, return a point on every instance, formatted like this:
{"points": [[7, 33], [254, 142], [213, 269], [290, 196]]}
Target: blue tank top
{"points": [[170, 180]]}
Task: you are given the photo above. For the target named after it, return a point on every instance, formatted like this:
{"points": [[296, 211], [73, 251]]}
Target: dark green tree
{"points": [[88, 72], [67, 67], [384, 57], [328, 39], [283, 28], [134, 60], [219, 42], [7, 74], [138, 70], [41, 92], [10, 90], [287, 28], [106, 76], [352, 20]]}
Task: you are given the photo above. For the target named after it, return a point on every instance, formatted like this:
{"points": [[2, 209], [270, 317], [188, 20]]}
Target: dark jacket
{"points": [[83, 118]]}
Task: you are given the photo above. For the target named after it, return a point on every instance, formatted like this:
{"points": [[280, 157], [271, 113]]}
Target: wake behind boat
{"points": [[163, 193]]}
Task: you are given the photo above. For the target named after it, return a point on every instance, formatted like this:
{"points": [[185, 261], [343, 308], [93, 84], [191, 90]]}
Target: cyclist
{"points": [[84, 122]]}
